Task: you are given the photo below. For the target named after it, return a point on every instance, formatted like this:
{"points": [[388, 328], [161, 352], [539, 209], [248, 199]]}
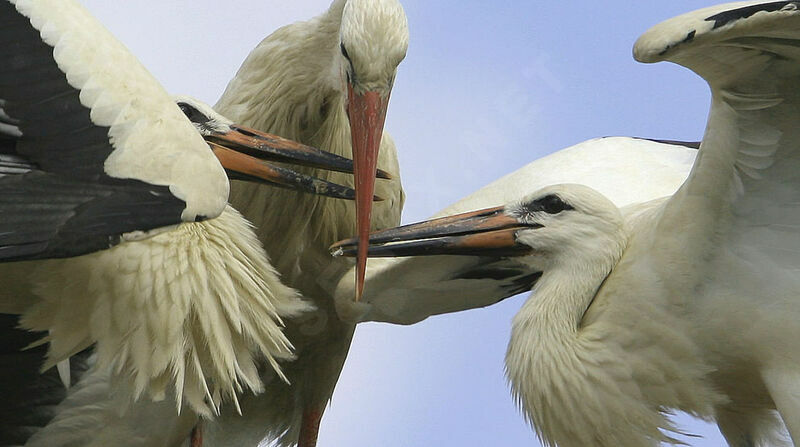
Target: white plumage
{"points": [[183, 302], [626, 170], [196, 308], [685, 303], [222, 313], [302, 82], [123, 299]]}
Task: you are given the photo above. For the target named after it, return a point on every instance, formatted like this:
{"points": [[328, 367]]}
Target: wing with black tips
{"points": [[91, 147], [749, 53]]}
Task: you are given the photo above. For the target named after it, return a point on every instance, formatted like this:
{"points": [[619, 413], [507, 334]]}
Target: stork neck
{"points": [[576, 376], [559, 300], [547, 345], [291, 85]]}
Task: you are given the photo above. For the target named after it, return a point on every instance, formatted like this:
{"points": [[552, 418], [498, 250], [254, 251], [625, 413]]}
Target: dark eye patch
{"points": [[192, 113], [550, 204]]}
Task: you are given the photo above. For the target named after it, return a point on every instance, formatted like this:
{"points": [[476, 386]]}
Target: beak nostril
{"points": [[492, 212], [244, 131]]}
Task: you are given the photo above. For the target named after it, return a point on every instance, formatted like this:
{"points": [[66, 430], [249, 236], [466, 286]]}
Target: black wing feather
{"points": [[56, 199], [512, 277], [35, 93], [733, 15], [51, 216]]}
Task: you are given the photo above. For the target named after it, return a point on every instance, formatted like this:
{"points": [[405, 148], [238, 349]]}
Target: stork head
{"points": [[243, 153], [568, 223], [555, 227], [373, 39]]}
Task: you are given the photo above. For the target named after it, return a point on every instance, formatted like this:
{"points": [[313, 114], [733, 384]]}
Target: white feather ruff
{"points": [[193, 309]]}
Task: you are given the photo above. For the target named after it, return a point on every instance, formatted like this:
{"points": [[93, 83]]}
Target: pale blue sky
{"points": [[487, 87]]}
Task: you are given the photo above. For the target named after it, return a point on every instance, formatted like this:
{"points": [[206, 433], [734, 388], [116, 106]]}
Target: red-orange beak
{"points": [[246, 154], [486, 232], [367, 113]]}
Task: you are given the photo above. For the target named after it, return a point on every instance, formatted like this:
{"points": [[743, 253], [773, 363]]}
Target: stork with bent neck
{"points": [[325, 82]]}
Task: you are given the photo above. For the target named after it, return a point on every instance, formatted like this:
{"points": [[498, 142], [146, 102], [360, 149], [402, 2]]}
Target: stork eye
{"points": [[550, 204], [553, 204]]}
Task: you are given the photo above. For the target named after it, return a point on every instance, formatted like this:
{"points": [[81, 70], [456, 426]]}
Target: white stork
{"points": [[686, 303], [410, 289], [94, 154], [322, 82], [643, 169]]}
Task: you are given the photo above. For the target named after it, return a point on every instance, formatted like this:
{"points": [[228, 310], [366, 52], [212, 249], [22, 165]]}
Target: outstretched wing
{"points": [[745, 183], [91, 146]]}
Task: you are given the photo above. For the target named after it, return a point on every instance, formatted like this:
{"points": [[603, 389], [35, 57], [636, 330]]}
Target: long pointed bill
{"points": [[488, 232], [240, 166], [367, 113], [267, 146]]}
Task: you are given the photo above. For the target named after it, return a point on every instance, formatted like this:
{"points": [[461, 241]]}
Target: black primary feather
{"points": [[56, 200]]}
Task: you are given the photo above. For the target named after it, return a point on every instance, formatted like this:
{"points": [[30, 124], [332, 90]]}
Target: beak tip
{"points": [[359, 291]]}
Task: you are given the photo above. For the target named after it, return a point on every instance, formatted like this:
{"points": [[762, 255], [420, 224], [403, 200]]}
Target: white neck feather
{"points": [[550, 363], [291, 85], [557, 305], [600, 381]]}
